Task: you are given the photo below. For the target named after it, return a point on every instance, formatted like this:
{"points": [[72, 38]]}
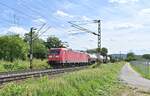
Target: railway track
{"points": [[14, 76]]}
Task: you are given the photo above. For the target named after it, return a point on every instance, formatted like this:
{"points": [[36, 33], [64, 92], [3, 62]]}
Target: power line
{"points": [[16, 10], [82, 29], [42, 5], [14, 18], [34, 10], [41, 28], [89, 31], [38, 31], [44, 31]]}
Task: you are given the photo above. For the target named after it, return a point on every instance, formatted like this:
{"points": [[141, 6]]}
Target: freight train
{"points": [[64, 57]]}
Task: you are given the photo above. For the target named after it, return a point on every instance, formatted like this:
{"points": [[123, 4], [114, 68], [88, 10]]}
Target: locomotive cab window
{"points": [[54, 52]]}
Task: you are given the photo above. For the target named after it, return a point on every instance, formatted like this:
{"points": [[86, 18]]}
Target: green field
{"points": [[100, 81], [142, 69], [22, 65]]}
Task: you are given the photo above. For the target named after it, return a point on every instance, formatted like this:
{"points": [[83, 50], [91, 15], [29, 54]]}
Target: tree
{"points": [[104, 51], [98, 50], [112, 59], [39, 48], [54, 42], [92, 51], [130, 57], [146, 56], [13, 47]]}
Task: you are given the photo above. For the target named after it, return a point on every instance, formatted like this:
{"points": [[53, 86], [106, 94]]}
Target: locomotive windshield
{"points": [[54, 52]]}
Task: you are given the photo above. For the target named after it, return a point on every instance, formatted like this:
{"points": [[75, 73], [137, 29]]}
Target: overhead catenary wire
{"points": [[16, 10], [44, 31], [33, 10], [41, 33], [41, 5], [41, 28], [82, 29], [89, 31]]}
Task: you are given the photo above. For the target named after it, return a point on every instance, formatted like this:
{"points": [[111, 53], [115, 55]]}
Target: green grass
{"points": [[143, 70], [99, 81], [22, 65]]}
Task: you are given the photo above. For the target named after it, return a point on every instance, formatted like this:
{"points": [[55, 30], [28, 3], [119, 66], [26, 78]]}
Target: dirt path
{"points": [[128, 75], [138, 84]]}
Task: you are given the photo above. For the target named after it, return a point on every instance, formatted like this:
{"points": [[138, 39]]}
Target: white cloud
{"points": [[126, 41], [85, 18], [145, 12], [39, 21], [61, 13], [125, 36], [16, 30], [126, 26], [121, 25], [122, 1]]}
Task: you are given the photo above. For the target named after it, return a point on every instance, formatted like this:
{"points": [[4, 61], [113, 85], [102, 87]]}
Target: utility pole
{"points": [[99, 33], [89, 31], [31, 47], [120, 55], [34, 38], [77, 26], [99, 40]]}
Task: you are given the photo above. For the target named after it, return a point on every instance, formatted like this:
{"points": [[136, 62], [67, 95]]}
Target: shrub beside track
{"points": [[99, 81]]}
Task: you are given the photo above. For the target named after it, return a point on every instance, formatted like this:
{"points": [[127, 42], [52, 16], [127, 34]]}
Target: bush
{"points": [[22, 65], [100, 81], [13, 47]]}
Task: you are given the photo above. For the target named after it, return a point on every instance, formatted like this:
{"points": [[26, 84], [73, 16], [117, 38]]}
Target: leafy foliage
{"points": [[13, 47], [142, 67], [130, 57], [39, 49], [100, 81], [53, 42], [146, 56], [104, 51], [22, 65], [91, 51]]}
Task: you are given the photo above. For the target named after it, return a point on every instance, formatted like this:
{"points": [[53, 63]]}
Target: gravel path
{"points": [[129, 76]]}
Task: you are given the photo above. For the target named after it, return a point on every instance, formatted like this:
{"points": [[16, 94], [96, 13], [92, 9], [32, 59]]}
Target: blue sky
{"points": [[125, 23]]}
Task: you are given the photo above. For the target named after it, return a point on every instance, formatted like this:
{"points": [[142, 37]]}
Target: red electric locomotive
{"points": [[61, 57]]}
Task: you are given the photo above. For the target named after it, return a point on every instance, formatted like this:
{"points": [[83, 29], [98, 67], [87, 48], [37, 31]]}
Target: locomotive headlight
{"points": [[56, 56], [50, 56]]}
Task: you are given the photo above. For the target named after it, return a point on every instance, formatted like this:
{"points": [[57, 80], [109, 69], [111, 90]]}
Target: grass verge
{"points": [[144, 71], [100, 81], [22, 65]]}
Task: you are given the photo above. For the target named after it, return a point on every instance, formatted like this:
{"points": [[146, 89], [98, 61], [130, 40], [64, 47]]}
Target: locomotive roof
{"points": [[59, 48], [67, 49]]}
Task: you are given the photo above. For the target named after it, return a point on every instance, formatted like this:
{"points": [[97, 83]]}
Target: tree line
{"points": [[15, 47], [132, 57]]}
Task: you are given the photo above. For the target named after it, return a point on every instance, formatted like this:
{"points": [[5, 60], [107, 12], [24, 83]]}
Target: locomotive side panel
{"points": [[65, 57]]}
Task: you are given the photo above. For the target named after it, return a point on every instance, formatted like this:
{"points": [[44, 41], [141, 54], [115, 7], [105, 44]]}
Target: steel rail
{"points": [[14, 76]]}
